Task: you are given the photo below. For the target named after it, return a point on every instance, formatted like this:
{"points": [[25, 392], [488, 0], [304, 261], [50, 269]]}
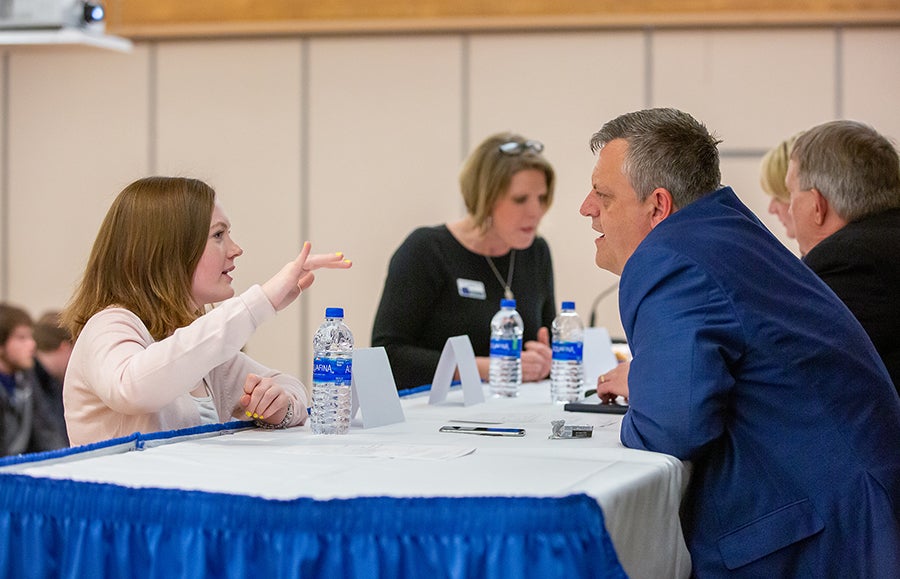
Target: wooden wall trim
{"points": [[149, 19]]}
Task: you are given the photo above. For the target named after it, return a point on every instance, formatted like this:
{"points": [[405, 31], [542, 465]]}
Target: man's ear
{"points": [[820, 206], [661, 205]]}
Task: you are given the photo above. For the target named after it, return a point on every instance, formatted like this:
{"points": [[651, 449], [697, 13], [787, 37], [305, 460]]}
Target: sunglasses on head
{"points": [[519, 147]]}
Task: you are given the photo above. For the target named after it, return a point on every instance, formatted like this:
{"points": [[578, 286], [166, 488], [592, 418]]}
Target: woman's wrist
{"points": [[285, 422]]}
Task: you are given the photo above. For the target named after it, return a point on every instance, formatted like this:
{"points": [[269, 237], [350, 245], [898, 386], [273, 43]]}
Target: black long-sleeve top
{"points": [[422, 303]]}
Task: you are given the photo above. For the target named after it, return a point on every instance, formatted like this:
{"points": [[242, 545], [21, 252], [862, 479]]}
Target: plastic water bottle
{"points": [[506, 351], [567, 367], [332, 371]]}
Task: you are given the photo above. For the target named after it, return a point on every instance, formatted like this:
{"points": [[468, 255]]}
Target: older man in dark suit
{"points": [[844, 181]]}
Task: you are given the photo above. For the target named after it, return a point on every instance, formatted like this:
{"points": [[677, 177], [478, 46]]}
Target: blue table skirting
{"points": [[63, 528]]}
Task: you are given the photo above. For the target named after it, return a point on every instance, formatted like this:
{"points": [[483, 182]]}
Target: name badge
{"points": [[469, 288]]}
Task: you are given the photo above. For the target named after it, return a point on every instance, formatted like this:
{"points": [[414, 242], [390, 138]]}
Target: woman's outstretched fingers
{"points": [[284, 287], [328, 260]]}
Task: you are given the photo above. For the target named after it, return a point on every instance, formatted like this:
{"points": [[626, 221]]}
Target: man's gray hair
{"points": [[854, 167], [666, 148]]}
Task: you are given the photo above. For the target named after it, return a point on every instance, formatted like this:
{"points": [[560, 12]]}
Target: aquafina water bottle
{"points": [[567, 368], [506, 351], [332, 371]]}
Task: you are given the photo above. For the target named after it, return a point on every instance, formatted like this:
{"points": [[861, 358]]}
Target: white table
{"points": [[639, 492]]}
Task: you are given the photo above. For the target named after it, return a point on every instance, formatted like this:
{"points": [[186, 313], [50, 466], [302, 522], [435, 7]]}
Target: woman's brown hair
{"points": [[488, 171], [145, 254]]}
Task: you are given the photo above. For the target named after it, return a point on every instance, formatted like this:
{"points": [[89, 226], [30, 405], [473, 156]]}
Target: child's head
{"points": [[16, 340]]}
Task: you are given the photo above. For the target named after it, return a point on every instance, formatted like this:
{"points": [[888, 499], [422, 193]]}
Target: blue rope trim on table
{"points": [[423, 388], [133, 441]]}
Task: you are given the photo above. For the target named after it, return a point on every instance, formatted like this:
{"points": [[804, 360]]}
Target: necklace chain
{"points": [[507, 292]]}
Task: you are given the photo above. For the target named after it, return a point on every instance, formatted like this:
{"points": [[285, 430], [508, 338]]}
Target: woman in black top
{"points": [[448, 280]]}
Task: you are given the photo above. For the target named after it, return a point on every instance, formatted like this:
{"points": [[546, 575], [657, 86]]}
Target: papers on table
{"points": [[489, 418], [381, 450]]}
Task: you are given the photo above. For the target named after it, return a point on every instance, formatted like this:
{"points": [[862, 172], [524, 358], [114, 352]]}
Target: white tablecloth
{"points": [[639, 492]]}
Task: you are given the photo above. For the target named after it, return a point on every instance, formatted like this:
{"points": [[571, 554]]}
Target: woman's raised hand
{"points": [[284, 287]]}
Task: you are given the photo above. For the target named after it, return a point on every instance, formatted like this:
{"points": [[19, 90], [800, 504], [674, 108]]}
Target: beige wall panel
{"points": [[742, 175], [4, 253], [872, 78], [384, 152], [561, 88], [229, 113], [78, 127], [751, 87]]}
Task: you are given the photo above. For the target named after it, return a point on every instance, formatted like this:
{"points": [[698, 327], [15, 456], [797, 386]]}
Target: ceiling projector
{"points": [[51, 14]]}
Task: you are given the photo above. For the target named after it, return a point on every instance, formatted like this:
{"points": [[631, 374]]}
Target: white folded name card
{"points": [[598, 355], [457, 353], [373, 391]]}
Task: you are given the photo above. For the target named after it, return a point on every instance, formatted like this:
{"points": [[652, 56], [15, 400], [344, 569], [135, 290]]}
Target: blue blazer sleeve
{"points": [[687, 341]]}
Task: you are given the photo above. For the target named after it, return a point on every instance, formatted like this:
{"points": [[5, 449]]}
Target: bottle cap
{"points": [[568, 305], [334, 312], [507, 303]]}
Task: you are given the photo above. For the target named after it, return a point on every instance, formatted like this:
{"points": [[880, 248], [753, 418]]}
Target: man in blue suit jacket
{"points": [[787, 414]]}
